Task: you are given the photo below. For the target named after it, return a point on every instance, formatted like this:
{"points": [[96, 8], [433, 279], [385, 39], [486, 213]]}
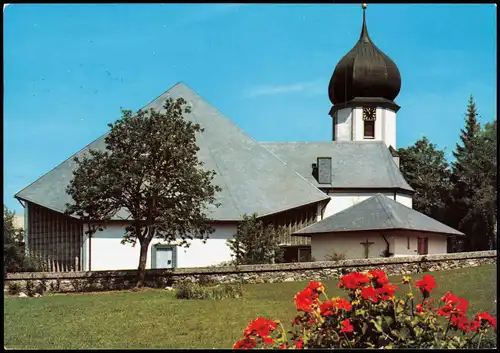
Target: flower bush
{"points": [[372, 317]]}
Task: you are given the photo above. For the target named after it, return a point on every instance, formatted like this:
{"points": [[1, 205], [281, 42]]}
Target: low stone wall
{"points": [[303, 271]]}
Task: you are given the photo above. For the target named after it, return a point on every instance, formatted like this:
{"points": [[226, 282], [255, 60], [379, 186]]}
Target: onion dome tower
{"points": [[362, 90]]}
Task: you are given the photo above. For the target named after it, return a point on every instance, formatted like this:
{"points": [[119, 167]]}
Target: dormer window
{"points": [[369, 116]]}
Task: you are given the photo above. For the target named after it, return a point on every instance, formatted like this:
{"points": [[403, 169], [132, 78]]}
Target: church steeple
{"points": [[364, 31], [368, 79]]}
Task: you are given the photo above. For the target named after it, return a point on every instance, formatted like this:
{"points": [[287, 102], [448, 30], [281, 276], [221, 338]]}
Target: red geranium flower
{"points": [[474, 325], [486, 318], [260, 327], [420, 309], [283, 346], [426, 285], [450, 298], [453, 305], [316, 286], [245, 343], [353, 280], [387, 291], [379, 276], [346, 326], [306, 299], [369, 293], [445, 310], [342, 304], [326, 309], [462, 306], [460, 321], [299, 343], [267, 340]]}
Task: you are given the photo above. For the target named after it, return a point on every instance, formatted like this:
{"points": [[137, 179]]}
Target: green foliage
{"points": [[190, 290], [474, 177], [335, 256], [13, 246], [425, 168], [33, 263], [464, 194], [14, 288], [256, 243], [373, 317], [150, 170]]}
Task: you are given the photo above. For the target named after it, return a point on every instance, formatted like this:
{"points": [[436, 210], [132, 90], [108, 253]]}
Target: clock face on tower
{"points": [[369, 114]]}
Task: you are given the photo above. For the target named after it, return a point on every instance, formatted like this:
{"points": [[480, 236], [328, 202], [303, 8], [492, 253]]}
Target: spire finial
{"points": [[364, 31]]}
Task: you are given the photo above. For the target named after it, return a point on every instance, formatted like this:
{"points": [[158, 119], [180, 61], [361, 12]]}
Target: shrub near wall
{"points": [[304, 271]]}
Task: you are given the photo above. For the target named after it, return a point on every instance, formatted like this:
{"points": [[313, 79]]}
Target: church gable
{"points": [[252, 179]]}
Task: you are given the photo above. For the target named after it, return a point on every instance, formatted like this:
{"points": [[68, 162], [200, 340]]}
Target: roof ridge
{"points": [[217, 166], [387, 212], [257, 142], [86, 146]]}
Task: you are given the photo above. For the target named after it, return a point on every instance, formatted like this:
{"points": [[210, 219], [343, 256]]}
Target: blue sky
{"points": [[69, 68]]}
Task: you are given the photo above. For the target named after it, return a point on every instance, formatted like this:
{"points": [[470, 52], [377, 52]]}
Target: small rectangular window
{"points": [[408, 243], [369, 129]]}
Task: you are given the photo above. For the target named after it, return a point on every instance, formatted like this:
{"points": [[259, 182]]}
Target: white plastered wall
{"points": [[342, 200], [343, 120], [349, 244], [437, 243], [404, 199], [109, 254], [350, 126]]}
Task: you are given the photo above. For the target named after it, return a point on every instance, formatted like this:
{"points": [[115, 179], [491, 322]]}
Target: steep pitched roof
{"points": [[252, 179], [377, 212], [355, 164]]}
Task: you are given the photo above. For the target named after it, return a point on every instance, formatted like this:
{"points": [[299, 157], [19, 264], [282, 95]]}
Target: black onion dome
{"points": [[364, 72]]}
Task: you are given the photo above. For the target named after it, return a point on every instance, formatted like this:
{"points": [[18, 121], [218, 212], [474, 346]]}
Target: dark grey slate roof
{"points": [[355, 164], [377, 212], [252, 179]]}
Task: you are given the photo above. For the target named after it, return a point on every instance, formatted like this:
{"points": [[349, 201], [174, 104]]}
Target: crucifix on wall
{"points": [[367, 244]]}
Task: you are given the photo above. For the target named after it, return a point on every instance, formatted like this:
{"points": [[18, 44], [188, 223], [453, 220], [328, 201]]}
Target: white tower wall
{"points": [[349, 126]]}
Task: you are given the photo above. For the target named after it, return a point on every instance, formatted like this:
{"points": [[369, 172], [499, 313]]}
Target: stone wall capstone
{"points": [[302, 271]]}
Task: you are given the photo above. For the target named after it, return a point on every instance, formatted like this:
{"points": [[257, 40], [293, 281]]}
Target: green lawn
{"points": [[155, 319]]}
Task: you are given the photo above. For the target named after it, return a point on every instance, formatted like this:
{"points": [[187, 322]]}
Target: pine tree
{"points": [[470, 215]]}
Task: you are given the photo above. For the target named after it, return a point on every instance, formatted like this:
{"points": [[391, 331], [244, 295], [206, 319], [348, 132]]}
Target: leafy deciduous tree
{"points": [[150, 176], [13, 249], [425, 168]]}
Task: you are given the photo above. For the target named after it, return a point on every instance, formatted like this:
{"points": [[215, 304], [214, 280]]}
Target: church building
{"points": [[346, 196]]}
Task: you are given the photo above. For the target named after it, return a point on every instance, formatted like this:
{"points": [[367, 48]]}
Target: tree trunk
{"points": [[141, 271]]}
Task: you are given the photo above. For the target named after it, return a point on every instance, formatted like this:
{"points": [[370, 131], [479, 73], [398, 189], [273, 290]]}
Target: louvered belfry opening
{"points": [[55, 239]]}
